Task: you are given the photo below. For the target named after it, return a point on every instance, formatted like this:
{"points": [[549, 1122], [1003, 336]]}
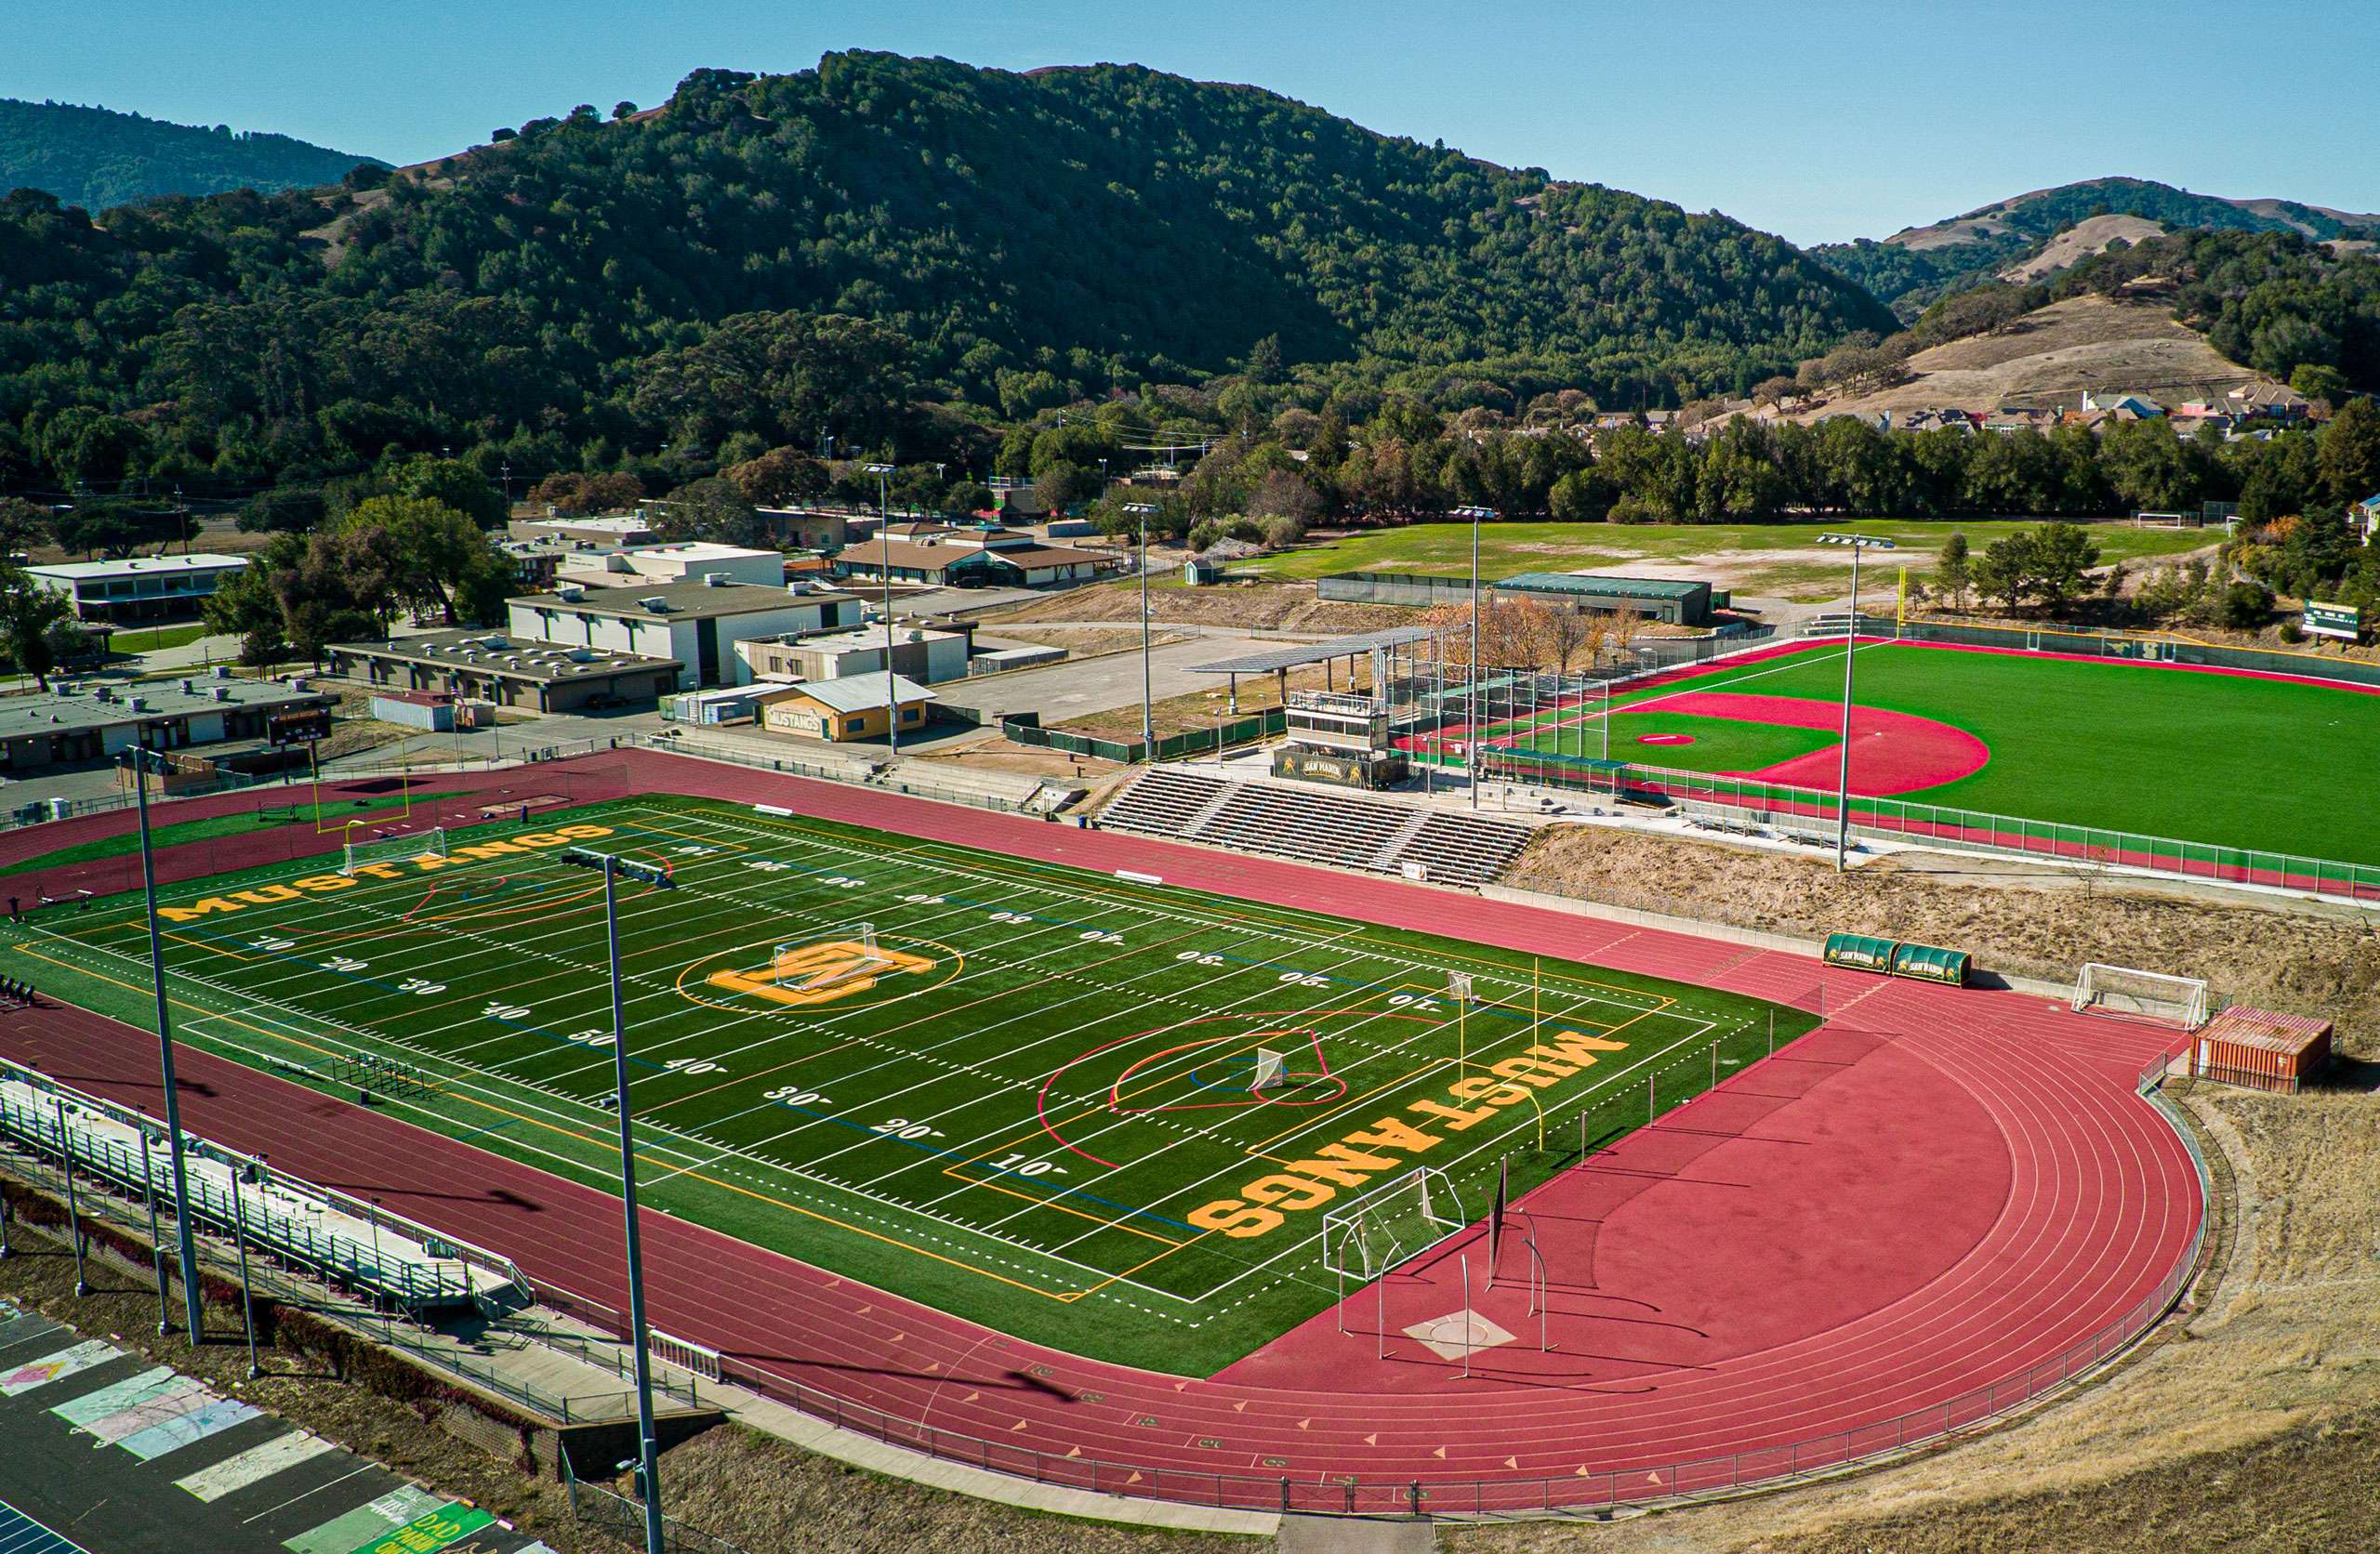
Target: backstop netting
{"points": [[393, 849], [1391, 1224], [2157, 996]]}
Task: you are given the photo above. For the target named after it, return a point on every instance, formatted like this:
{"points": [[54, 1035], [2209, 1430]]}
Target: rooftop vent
{"points": [[138, 704], [222, 671], [569, 593], [220, 693], [189, 687], [654, 603], [715, 580]]}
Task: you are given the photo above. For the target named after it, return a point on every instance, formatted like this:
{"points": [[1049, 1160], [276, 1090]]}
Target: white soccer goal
{"points": [[2134, 994], [1272, 1069], [396, 849], [809, 967], [1391, 1224]]}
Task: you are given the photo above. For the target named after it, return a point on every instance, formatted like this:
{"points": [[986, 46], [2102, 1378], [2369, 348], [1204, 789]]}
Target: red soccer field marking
{"points": [[2100, 1203]]}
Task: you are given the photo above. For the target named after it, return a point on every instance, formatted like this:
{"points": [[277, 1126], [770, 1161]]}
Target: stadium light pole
{"points": [[883, 473], [649, 1450], [1471, 717], [185, 1247], [1148, 707], [1857, 542]]}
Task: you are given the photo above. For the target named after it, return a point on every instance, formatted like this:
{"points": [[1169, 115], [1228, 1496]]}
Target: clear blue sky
{"points": [[1818, 119]]}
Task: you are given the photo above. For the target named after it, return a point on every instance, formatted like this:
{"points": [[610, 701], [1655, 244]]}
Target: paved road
{"points": [[1080, 685]]}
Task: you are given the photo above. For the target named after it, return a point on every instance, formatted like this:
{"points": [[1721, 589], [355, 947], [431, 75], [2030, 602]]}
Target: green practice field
{"points": [[1021, 1093], [2234, 761]]}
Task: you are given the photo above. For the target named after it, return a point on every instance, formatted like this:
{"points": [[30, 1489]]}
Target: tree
{"points": [[2320, 380], [1953, 574], [30, 617], [782, 375], [21, 524], [967, 496], [574, 494], [1283, 506], [2058, 556], [283, 510], [711, 509], [1062, 484], [244, 604], [779, 476], [453, 483], [2348, 458], [431, 550], [109, 528], [2004, 570]]}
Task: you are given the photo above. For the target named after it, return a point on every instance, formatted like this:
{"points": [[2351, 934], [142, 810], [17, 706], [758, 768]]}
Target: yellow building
{"points": [[847, 709]]}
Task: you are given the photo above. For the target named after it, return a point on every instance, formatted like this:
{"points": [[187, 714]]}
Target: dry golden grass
{"points": [[1269, 606]]}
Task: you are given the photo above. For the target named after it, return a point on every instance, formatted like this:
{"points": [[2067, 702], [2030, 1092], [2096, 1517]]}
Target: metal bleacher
{"points": [[1317, 826]]}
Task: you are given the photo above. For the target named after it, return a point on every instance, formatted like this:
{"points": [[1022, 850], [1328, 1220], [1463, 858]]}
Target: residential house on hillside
{"points": [[2364, 517]]}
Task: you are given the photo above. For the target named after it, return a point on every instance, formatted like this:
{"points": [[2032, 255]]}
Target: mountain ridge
{"points": [[99, 157], [1918, 265]]}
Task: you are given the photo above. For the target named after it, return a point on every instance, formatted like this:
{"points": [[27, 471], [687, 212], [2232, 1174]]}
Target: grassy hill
{"points": [[95, 157], [2013, 237]]}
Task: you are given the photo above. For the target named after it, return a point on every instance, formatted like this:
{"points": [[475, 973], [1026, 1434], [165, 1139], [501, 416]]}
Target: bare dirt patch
{"points": [[1001, 755], [767, 1496], [1084, 641], [1263, 606], [2052, 355]]}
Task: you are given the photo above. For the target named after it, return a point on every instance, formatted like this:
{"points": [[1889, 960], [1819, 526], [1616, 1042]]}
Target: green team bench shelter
{"points": [[1928, 962]]}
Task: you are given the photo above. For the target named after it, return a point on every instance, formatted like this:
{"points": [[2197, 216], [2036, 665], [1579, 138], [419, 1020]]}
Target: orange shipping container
{"points": [[2260, 1048]]}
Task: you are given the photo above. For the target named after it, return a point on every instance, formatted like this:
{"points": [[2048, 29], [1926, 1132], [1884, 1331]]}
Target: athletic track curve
{"points": [[1940, 1203]]}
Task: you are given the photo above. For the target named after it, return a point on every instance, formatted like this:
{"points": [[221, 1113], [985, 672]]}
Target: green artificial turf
{"points": [[1032, 1123], [2240, 764]]}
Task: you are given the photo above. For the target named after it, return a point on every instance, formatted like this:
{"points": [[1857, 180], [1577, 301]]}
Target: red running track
{"points": [[1857, 1242]]}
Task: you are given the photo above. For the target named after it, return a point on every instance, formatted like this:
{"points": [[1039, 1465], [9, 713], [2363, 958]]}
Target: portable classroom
{"points": [[2261, 1049], [1859, 952]]}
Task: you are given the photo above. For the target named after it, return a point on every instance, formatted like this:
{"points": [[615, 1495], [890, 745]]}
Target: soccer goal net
{"points": [[2152, 996], [1391, 1224], [809, 967], [393, 849]]}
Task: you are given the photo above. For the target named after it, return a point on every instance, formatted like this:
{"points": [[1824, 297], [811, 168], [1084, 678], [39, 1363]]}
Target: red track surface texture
{"points": [[1936, 1192]]}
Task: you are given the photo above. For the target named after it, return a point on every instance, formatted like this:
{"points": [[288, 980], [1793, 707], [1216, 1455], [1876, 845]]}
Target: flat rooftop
{"points": [[1600, 585], [680, 600], [486, 652], [137, 566], [72, 706]]}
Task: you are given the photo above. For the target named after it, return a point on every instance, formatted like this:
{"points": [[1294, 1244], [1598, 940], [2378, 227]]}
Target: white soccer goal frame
{"points": [[2127, 992], [1360, 1225], [868, 964], [1272, 1071], [400, 847]]}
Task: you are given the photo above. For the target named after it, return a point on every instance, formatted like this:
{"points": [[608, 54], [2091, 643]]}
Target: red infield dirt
{"points": [[1938, 1204], [1891, 752]]}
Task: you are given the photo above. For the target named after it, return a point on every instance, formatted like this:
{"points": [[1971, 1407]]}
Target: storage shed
{"points": [[2261, 1049]]}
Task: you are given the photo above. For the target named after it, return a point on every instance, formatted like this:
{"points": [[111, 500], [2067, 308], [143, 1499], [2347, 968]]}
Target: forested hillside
{"points": [[1914, 269], [95, 157], [791, 256]]}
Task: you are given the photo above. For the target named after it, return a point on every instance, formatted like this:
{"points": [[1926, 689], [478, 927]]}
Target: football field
{"points": [[1094, 1111]]}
